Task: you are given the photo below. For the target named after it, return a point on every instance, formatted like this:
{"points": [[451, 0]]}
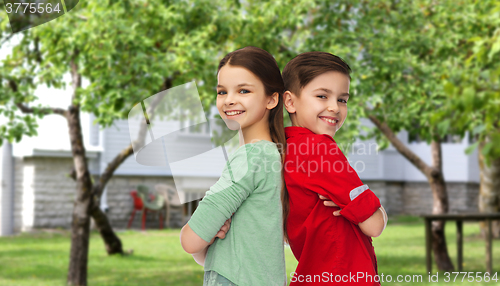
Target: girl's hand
{"points": [[222, 232], [329, 203]]}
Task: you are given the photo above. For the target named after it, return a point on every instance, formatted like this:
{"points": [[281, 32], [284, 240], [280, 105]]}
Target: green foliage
{"points": [[472, 82], [400, 54], [417, 66], [125, 51]]}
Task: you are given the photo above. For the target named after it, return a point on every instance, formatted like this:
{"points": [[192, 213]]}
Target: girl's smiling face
{"points": [[241, 97]]}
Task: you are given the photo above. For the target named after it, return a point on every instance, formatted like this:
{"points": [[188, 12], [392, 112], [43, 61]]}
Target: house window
{"points": [[472, 138], [451, 139], [414, 138]]}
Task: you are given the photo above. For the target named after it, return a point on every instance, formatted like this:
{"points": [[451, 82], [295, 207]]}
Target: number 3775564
{"points": [[32, 8]]}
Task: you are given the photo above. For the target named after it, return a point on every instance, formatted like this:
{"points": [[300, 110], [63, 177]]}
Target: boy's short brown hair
{"points": [[305, 67]]}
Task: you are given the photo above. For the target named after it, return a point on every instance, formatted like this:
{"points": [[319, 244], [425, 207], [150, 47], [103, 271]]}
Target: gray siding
{"points": [[206, 164], [116, 138]]}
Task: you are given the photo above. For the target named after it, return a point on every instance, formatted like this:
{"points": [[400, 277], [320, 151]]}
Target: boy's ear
{"points": [[273, 101], [288, 101]]}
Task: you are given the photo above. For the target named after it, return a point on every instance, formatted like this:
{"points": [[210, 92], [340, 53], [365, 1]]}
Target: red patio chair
{"points": [[142, 203], [138, 206]]}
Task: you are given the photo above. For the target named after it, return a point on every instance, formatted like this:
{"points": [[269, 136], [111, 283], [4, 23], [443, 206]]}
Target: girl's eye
{"points": [[321, 96], [221, 92], [343, 100], [244, 91]]}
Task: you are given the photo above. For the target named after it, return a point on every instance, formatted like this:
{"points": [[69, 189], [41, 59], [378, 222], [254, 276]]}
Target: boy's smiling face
{"points": [[322, 104]]}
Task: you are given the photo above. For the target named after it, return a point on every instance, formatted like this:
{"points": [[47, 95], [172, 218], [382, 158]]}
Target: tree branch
{"points": [[402, 149], [76, 78], [26, 109], [38, 55], [47, 110], [111, 168], [82, 17], [5, 40]]}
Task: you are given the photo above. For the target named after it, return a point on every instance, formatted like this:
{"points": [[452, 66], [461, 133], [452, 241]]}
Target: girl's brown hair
{"points": [[264, 66]]}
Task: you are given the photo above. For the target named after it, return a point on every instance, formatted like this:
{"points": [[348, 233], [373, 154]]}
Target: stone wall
{"points": [[120, 203], [390, 195], [415, 198], [44, 196], [462, 197]]}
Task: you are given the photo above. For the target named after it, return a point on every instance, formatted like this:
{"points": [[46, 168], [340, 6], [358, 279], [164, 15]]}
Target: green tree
{"points": [[473, 87]]}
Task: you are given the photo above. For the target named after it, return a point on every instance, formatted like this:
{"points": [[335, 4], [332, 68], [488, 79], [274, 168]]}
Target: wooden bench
{"points": [[459, 218]]}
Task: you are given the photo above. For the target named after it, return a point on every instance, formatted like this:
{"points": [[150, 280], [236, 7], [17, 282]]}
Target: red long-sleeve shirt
{"points": [[330, 250]]}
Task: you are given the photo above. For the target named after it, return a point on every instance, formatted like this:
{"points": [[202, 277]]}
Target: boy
{"points": [[329, 250]]}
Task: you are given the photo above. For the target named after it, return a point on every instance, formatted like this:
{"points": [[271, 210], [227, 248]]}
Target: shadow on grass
{"points": [[134, 258]]}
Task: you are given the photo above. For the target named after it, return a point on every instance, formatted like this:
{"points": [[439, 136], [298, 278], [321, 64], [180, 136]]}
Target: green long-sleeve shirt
{"points": [[252, 253]]}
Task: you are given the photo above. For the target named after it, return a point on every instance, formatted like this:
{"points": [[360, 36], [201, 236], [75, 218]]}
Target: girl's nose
{"points": [[333, 108], [230, 99]]}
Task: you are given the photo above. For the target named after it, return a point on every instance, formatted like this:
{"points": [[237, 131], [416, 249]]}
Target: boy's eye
{"points": [[321, 96], [244, 91]]}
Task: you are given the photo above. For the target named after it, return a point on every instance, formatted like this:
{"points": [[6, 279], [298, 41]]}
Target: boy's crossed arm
{"points": [[373, 226], [343, 186]]}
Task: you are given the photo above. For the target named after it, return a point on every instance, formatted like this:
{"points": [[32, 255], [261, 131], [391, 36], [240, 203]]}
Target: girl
{"points": [[249, 91]]}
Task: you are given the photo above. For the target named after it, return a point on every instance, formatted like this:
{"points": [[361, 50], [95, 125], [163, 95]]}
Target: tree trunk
{"points": [[439, 206], [435, 177], [112, 243], [77, 272], [80, 225], [489, 189]]}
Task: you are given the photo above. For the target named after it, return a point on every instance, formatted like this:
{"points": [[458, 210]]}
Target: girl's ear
{"points": [[288, 101], [273, 101]]}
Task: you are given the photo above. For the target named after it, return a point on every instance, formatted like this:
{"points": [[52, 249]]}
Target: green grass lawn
{"points": [[158, 259]]}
